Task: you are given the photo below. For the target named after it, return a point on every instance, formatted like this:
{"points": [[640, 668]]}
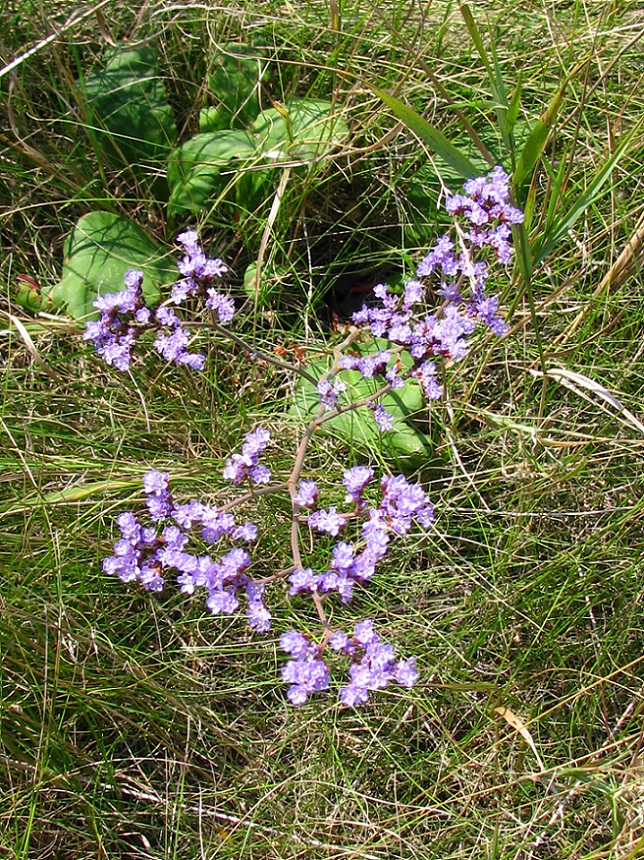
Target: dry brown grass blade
{"points": [[518, 725], [622, 269], [28, 342], [579, 383]]}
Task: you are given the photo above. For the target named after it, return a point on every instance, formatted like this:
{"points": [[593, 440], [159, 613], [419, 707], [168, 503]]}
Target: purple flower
{"points": [[329, 392], [355, 480], [339, 641], [246, 533], [353, 695], [402, 502], [187, 515], [441, 257], [406, 673], [295, 643], [306, 674], [302, 581], [190, 241], [260, 474], [222, 600], [159, 501], [364, 633], [383, 419], [245, 465], [371, 364], [259, 618], [426, 376], [256, 442], [224, 306], [307, 494], [216, 524], [166, 316], [124, 316], [195, 265], [172, 347], [343, 556], [327, 521], [129, 526], [155, 482], [487, 311], [375, 668]]}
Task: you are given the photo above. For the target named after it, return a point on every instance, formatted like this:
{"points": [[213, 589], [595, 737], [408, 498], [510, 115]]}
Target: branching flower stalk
{"points": [[416, 339]]}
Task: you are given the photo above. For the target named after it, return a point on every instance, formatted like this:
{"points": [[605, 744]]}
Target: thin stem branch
{"points": [[259, 355], [253, 494]]}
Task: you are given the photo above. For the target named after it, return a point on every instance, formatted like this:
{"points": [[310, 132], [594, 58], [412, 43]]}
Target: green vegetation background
{"points": [[138, 726]]}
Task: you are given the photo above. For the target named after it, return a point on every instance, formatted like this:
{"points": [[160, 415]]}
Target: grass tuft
{"points": [[139, 726]]}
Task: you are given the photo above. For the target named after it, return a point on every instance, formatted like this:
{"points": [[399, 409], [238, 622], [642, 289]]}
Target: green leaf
{"points": [[101, 248], [235, 83], [306, 129], [434, 138], [493, 72], [404, 444], [128, 107], [592, 193], [210, 120], [538, 137], [205, 164], [514, 107]]}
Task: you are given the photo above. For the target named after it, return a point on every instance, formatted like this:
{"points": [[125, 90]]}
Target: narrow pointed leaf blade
{"points": [[434, 138], [538, 137], [592, 193], [514, 106]]}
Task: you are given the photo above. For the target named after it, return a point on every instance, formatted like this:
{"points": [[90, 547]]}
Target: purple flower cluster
{"points": [[417, 341], [373, 665], [144, 552], [306, 672], [124, 316], [199, 274], [486, 205], [444, 334], [354, 564], [136, 554], [245, 466], [329, 392], [307, 494]]}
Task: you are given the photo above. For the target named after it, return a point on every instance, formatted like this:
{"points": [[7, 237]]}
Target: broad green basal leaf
{"points": [[304, 129], [131, 118], [235, 84], [403, 444], [211, 162], [101, 248], [204, 164]]}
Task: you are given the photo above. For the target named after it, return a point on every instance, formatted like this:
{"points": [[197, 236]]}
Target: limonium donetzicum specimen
{"points": [[209, 550]]}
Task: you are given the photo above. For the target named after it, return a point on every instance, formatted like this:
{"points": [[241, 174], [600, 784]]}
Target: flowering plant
{"points": [[221, 564]]}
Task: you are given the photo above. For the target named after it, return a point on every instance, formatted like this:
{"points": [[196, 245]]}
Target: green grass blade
{"points": [[538, 137], [592, 193], [430, 135], [493, 72], [514, 106], [473, 30]]}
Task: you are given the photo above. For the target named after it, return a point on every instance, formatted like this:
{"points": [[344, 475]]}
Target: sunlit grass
{"points": [[137, 725]]}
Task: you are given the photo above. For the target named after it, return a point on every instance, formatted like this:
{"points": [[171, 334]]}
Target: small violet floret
{"points": [[124, 316]]}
